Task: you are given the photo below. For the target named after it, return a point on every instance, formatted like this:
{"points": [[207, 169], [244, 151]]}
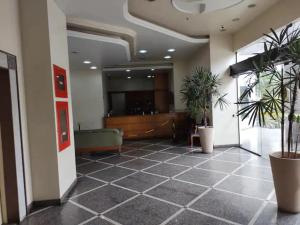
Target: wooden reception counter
{"points": [[149, 126]]}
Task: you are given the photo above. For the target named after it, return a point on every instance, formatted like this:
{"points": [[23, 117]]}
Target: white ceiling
{"points": [[154, 38]]}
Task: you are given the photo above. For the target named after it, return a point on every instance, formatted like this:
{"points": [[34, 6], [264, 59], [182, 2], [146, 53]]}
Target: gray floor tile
{"points": [[200, 154], [271, 216], [138, 164], [255, 172], [68, 214], [117, 159], [177, 150], [84, 184], [80, 161], [98, 221], [238, 151], [91, 167], [222, 166], [97, 156], [142, 211], [240, 158], [140, 181], [104, 198], [232, 207], [138, 153], [186, 160], [247, 186], [202, 177], [168, 170], [138, 144], [259, 161], [192, 218], [160, 156], [112, 174], [156, 147], [178, 192]]}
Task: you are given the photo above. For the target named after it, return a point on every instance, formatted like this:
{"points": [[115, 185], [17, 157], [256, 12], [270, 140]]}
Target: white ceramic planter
{"points": [[286, 176], [207, 139]]}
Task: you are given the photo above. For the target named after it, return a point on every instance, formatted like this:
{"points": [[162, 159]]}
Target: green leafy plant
{"points": [[198, 90], [279, 98]]}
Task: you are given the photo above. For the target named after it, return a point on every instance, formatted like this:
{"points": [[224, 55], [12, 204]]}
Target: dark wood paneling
{"points": [[148, 126], [161, 89]]}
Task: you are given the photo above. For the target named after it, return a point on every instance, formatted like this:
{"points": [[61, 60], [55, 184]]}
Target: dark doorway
{"points": [[13, 170]]}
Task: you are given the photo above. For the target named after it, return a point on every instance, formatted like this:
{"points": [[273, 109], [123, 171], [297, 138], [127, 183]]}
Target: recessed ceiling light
{"points": [[251, 5], [235, 19], [152, 69], [143, 51], [153, 76], [168, 57], [93, 67], [149, 76], [128, 77], [87, 62], [171, 50], [128, 70]]}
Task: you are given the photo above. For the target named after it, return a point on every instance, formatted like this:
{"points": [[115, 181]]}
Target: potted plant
{"points": [[197, 93], [278, 102]]}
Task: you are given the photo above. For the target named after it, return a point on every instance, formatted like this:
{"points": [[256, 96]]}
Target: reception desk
{"points": [[149, 126]]}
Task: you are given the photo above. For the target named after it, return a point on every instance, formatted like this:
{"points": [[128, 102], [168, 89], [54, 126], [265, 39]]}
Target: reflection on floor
{"points": [[155, 182]]}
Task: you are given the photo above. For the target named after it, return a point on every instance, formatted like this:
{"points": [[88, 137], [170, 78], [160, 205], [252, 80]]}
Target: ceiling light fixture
{"points": [[93, 67], [222, 29], [143, 51], [168, 57], [152, 69], [171, 50], [128, 77], [149, 76], [128, 70], [87, 62]]}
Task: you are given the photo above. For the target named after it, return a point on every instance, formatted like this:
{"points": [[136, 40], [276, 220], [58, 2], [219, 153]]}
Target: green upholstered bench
{"points": [[98, 140]]}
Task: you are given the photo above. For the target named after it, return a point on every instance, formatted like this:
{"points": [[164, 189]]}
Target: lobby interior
{"points": [[93, 126]]}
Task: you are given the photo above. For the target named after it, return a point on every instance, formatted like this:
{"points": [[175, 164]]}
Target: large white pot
{"points": [[206, 139], [286, 176]]}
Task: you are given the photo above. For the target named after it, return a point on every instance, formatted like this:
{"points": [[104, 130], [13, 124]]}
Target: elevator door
{"points": [[11, 146]]}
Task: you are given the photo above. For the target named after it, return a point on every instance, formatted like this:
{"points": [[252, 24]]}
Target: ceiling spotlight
{"points": [[171, 50], [168, 57], [93, 67], [235, 19], [152, 69], [252, 6], [153, 76], [87, 62], [149, 76], [128, 70], [222, 28], [128, 77], [143, 51]]}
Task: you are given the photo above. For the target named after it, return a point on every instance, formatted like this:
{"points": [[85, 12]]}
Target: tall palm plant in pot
{"points": [[197, 92], [278, 102]]}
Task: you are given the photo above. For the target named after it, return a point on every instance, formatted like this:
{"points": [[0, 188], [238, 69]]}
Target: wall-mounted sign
{"points": [[60, 82], [63, 126]]}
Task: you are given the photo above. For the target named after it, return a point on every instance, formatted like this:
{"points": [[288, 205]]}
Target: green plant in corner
{"points": [[197, 93]]}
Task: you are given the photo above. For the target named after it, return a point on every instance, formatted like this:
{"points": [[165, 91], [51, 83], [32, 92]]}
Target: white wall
{"points": [[222, 56], [59, 56], [87, 96], [10, 41]]}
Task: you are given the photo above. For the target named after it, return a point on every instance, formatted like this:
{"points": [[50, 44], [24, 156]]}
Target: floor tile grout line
{"points": [[198, 197], [215, 217], [127, 189], [155, 186], [173, 216], [40, 211], [89, 220], [83, 207], [120, 204], [163, 200], [110, 220], [86, 192], [257, 214], [98, 170]]}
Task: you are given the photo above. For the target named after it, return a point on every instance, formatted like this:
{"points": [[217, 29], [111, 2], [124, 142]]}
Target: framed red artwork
{"points": [[60, 82], [63, 125]]}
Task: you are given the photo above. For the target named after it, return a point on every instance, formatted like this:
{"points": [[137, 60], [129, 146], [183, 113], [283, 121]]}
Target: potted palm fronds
{"points": [[278, 102], [197, 92]]}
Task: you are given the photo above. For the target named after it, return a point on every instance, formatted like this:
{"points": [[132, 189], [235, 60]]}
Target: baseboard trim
{"points": [[36, 205]]}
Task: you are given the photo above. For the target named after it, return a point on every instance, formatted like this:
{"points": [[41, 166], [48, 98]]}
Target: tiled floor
{"points": [[156, 183]]}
